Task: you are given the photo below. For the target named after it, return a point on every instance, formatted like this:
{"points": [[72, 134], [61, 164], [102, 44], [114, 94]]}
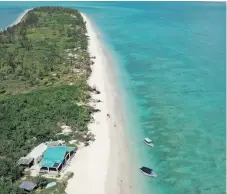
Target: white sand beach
{"points": [[103, 166], [20, 17], [18, 20]]}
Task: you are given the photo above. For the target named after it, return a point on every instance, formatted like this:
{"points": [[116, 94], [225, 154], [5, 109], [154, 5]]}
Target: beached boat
{"points": [[148, 142], [148, 171]]}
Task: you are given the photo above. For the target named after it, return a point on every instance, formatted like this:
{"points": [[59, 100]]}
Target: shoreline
{"points": [[104, 165], [20, 17], [18, 20]]}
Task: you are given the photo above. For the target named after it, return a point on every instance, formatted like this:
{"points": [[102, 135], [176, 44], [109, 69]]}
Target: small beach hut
{"points": [[37, 153], [28, 186], [25, 162], [55, 158]]}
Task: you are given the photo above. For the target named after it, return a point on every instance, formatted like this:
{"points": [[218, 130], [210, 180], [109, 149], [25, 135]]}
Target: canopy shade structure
{"points": [[54, 156], [27, 185], [26, 162]]}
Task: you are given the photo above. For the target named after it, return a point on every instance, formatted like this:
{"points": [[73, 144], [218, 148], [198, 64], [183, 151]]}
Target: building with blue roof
{"points": [[55, 158]]}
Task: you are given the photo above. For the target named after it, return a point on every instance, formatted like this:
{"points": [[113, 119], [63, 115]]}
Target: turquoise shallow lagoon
{"points": [[171, 67]]}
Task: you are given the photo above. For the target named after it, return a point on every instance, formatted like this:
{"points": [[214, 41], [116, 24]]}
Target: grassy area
{"points": [[35, 52], [44, 66]]}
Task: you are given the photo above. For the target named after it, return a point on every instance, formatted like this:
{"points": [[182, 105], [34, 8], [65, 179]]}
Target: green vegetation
{"points": [[49, 46], [29, 119], [44, 66]]}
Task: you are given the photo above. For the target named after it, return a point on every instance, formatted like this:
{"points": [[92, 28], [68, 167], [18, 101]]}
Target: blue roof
{"points": [[54, 155], [27, 185]]}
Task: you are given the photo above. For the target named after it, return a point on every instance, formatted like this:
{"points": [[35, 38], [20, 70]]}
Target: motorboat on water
{"points": [[148, 171], [148, 142]]}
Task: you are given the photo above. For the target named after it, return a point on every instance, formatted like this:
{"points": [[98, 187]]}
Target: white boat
{"points": [[148, 142], [148, 171]]}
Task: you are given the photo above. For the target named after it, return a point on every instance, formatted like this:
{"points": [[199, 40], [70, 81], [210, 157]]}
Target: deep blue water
{"points": [[171, 62]]}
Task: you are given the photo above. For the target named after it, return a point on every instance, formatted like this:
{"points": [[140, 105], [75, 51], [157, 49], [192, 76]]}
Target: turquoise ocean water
{"points": [[171, 60]]}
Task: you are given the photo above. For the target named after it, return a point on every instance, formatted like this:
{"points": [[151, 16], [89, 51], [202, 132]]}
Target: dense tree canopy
{"points": [[44, 66], [50, 43]]}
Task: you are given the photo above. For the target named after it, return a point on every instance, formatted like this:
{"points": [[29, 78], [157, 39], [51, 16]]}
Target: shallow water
{"points": [[171, 65]]}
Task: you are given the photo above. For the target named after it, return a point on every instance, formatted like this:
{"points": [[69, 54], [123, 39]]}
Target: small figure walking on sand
{"points": [[108, 115]]}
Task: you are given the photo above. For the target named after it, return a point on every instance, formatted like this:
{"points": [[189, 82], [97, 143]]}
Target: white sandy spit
{"points": [[102, 167]]}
